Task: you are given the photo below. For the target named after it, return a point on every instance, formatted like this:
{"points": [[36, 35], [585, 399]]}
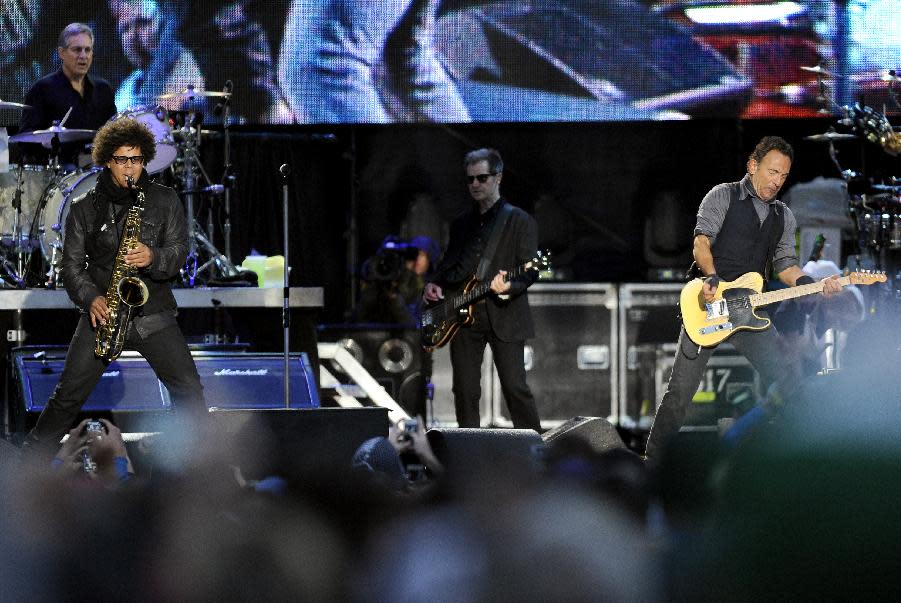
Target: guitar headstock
{"points": [[541, 261], [866, 277]]}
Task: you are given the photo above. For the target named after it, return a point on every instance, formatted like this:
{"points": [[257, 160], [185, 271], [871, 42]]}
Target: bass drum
{"points": [[157, 121], [59, 200], [35, 180]]}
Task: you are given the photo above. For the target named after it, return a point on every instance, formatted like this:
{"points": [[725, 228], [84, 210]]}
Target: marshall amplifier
{"points": [[230, 380]]}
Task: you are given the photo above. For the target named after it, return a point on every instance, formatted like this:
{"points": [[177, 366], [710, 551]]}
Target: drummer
{"points": [[51, 97]]}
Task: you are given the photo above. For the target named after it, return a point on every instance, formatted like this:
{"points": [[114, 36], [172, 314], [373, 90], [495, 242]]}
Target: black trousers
{"points": [[467, 349], [167, 353], [762, 349]]}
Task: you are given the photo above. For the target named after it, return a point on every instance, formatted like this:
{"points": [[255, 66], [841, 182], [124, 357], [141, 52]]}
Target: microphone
{"points": [[284, 170]]}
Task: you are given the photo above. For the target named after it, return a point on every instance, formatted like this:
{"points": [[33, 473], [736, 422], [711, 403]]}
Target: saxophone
{"points": [[125, 291]]}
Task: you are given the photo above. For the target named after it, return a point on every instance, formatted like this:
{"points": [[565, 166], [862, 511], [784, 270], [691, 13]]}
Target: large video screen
{"points": [[455, 61]]}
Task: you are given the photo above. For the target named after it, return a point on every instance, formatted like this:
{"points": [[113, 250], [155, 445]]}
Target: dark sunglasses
{"points": [[482, 178], [123, 159]]}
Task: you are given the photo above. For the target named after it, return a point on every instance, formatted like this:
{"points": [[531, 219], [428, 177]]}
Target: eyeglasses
{"points": [[123, 159], [482, 178]]}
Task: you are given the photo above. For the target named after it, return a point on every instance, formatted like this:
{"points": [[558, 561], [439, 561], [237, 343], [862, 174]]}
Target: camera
{"points": [[389, 261], [93, 428], [410, 426]]}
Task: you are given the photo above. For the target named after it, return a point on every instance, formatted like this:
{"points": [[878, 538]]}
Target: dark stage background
{"points": [[591, 186]]}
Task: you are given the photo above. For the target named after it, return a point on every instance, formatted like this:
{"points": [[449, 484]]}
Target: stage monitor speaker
{"points": [[390, 353], [298, 444], [468, 453], [597, 432], [230, 380]]}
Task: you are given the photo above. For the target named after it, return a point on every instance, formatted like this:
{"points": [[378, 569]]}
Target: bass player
{"points": [[490, 239], [741, 228]]}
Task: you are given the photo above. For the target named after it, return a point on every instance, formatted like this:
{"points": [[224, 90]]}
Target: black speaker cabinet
{"points": [[571, 362], [230, 380], [469, 454], [297, 444], [390, 353], [649, 330], [648, 319], [595, 431]]}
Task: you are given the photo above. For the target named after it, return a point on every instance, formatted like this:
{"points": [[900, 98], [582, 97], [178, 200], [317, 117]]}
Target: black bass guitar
{"points": [[441, 321]]}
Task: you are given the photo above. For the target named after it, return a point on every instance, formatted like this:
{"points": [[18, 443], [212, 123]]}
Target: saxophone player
{"points": [[93, 231]]}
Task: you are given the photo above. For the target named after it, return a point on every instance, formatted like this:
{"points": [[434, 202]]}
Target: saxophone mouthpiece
{"points": [[130, 181]]}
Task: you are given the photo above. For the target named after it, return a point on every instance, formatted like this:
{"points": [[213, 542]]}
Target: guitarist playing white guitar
{"points": [[488, 244], [742, 233]]}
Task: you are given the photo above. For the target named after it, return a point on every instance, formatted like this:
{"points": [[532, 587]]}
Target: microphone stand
{"points": [[285, 171]]}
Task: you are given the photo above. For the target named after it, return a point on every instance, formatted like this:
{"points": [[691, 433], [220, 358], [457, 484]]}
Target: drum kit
{"points": [[874, 207], [35, 199]]}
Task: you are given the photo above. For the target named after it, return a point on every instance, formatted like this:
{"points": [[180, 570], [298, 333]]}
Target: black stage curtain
{"points": [[319, 188]]}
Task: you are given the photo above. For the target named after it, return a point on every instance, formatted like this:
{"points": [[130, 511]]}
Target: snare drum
{"points": [[35, 180], [157, 121], [59, 200]]}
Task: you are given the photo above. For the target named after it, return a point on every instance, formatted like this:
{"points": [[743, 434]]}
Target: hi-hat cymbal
{"points": [[11, 105], [45, 137], [190, 92], [819, 70], [830, 137]]}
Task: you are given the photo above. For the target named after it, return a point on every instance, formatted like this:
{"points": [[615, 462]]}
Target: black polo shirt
{"points": [[52, 96]]}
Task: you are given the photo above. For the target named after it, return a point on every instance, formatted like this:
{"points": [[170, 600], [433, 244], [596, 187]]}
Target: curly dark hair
{"points": [[124, 132]]}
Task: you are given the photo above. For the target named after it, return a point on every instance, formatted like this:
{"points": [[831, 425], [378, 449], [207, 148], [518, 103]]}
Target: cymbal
{"points": [[830, 137], [45, 137], [886, 188], [819, 70], [190, 92], [890, 76], [11, 105]]}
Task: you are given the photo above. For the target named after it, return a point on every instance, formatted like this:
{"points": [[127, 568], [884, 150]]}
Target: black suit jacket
{"points": [[510, 316]]}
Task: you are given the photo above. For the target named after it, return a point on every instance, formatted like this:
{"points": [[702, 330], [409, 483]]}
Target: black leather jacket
{"points": [[90, 247]]}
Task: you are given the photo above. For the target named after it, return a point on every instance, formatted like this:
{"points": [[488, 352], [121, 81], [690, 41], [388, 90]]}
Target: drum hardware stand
{"points": [[15, 271], [196, 236], [189, 148], [228, 179]]}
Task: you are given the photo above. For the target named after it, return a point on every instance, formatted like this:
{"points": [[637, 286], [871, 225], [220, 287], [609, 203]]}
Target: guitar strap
{"points": [[499, 222]]}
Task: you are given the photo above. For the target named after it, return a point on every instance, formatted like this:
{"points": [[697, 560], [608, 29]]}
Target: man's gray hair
{"points": [[72, 30]]}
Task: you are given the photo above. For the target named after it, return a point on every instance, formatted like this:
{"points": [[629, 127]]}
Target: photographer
{"points": [[96, 450], [393, 280], [403, 462]]}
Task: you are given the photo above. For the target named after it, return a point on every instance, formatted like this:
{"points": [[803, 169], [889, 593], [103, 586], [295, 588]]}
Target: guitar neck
{"points": [[482, 288], [762, 299]]}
